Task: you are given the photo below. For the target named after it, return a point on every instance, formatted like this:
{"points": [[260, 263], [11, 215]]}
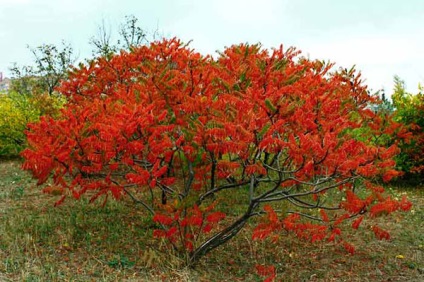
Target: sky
{"points": [[382, 38]]}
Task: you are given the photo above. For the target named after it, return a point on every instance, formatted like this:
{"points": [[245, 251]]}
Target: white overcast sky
{"points": [[381, 37]]}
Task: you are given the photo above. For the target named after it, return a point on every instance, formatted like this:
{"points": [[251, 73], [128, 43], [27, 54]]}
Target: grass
{"points": [[79, 241]]}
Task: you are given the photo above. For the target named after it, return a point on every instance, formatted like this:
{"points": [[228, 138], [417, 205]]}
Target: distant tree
{"points": [[102, 43], [23, 80], [131, 35], [399, 90], [51, 66], [386, 105], [32, 94]]}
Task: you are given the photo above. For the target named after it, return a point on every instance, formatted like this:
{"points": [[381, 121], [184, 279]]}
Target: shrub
{"points": [[410, 113], [16, 111], [187, 136]]}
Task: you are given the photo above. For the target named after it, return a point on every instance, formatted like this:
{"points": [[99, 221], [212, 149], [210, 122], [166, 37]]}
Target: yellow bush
{"points": [[16, 111]]}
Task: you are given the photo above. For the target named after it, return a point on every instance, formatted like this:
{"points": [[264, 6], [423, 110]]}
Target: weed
{"points": [[121, 262]]}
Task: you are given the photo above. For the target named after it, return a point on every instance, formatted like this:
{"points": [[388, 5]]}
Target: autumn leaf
{"points": [[163, 219], [215, 217], [268, 271], [357, 222]]}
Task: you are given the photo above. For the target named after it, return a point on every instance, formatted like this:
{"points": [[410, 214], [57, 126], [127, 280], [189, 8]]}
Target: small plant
{"points": [[18, 192], [121, 262]]}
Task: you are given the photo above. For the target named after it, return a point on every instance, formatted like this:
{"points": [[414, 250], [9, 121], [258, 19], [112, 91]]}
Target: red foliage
{"points": [[349, 247], [163, 219], [353, 203], [357, 222], [324, 215], [404, 204], [173, 129], [380, 233], [268, 271], [388, 205], [271, 224], [215, 217]]}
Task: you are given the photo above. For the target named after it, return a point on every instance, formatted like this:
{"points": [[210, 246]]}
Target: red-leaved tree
{"points": [[205, 144]]}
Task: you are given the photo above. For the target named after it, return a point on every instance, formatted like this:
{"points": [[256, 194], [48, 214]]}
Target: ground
{"points": [[79, 241]]}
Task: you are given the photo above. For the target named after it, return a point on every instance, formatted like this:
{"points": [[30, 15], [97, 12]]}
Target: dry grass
{"points": [[84, 242]]}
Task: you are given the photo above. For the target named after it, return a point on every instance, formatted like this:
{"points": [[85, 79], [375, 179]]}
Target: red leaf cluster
{"points": [[184, 225], [268, 271], [389, 205], [380, 233]]}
